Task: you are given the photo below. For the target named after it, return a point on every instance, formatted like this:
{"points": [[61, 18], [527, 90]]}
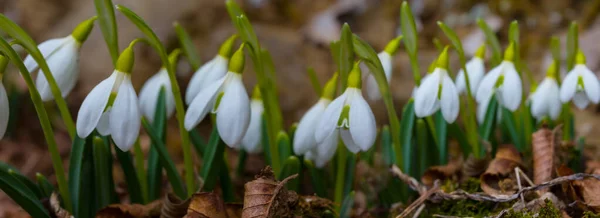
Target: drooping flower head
{"points": [[251, 140], [385, 57], [504, 80], [475, 69], [350, 116], [545, 100], [228, 99], [4, 106], [438, 91], [112, 106], [151, 90], [62, 56], [580, 85], [211, 71]]}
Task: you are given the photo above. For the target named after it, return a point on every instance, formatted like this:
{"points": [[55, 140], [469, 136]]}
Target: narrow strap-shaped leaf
{"points": [[410, 40], [108, 24], [189, 49], [423, 144], [316, 177], [166, 162], [347, 205], [101, 151], [406, 134], [154, 167], [138, 156], [45, 186], [225, 181], [314, 81], [487, 128], [19, 193], [555, 49], [264, 139], [76, 163], [509, 121], [285, 147], [441, 129], [492, 41], [211, 162], [22, 178], [389, 157], [454, 131], [291, 166], [334, 48], [199, 143], [346, 54], [349, 178], [572, 45], [242, 156], [438, 44], [133, 183]]}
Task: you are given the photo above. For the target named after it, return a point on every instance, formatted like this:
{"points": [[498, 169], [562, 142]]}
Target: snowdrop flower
{"points": [[304, 138], [580, 84], [350, 116], [227, 98], [545, 99], [4, 107], [251, 140], [112, 106], [385, 57], [62, 56], [438, 91], [211, 71], [151, 89], [475, 69], [504, 80]]}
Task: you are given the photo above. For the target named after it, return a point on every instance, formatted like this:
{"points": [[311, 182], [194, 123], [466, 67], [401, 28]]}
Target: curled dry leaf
{"points": [[543, 156], [58, 211], [442, 172], [174, 207], [473, 167], [589, 190], [499, 177], [131, 210], [209, 204], [567, 188], [266, 197]]}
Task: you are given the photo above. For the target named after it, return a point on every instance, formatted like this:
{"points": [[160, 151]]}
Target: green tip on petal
{"points": [[499, 81], [552, 71], [509, 53], [126, 59], [579, 57], [82, 31], [227, 46], [392, 46], [256, 93], [442, 61], [480, 52], [236, 64], [330, 86], [354, 78]]}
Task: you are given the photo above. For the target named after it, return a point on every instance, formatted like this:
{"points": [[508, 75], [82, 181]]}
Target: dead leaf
{"points": [[313, 206], [266, 197], [174, 207], [58, 211], [543, 156], [209, 204], [152, 209], [473, 167], [499, 177], [589, 190], [441, 172]]}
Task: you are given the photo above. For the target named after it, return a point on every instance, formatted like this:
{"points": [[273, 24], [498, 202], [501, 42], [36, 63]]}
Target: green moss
{"points": [[590, 214], [548, 210]]}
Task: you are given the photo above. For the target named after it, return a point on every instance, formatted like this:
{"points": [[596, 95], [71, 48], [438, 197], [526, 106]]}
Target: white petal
{"points": [[104, 123], [329, 120], [124, 120], [304, 138], [46, 48], [476, 69], [511, 91], [386, 62], [149, 95], [581, 100], [569, 85], [233, 113], [591, 86], [63, 64], [92, 107], [251, 140], [460, 81], [372, 89], [555, 107], [482, 109], [488, 82], [426, 97], [363, 129], [202, 104], [348, 141], [205, 76], [326, 149], [4, 110], [450, 103]]}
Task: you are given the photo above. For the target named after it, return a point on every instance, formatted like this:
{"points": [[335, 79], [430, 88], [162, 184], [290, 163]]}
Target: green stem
{"points": [[340, 173], [44, 121], [138, 156]]}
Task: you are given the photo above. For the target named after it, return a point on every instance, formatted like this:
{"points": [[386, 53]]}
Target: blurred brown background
{"points": [[297, 33]]}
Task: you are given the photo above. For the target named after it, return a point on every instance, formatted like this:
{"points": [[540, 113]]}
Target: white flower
{"points": [[506, 82], [121, 119], [228, 98], [545, 100], [150, 91], [61, 55], [304, 138], [371, 88], [324, 151], [4, 110], [476, 69], [251, 140], [582, 86]]}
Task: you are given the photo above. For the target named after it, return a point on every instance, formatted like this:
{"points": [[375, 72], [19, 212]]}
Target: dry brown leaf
{"points": [[567, 188], [499, 177], [589, 190], [543, 156], [131, 210], [313, 206], [58, 211], [209, 204], [441, 172], [473, 167], [174, 207], [266, 197]]}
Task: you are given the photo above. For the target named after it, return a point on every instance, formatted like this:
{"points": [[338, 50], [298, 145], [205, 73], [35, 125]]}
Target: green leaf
{"points": [[291, 166], [264, 139], [241, 164], [572, 44], [454, 131], [438, 44], [44, 185], [133, 183], [199, 143], [389, 157], [408, 28], [486, 130], [22, 195], [225, 181], [347, 205], [422, 149], [210, 163], [285, 147], [154, 167], [555, 49], [334, 47], [76, 165], [108, 24], [189, 49], [314, 81], [492, 41], [31, 186], [346, 53], [166, 161], [101, 151], [349, 178], [441, 129], [138, 157], [316, 177], [406, 134], [509, 121], [513, 32]]}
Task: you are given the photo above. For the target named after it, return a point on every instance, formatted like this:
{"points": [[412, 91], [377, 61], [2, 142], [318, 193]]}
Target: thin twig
{"points": [[519, 184], [412, 182], [525, 177], [418, 212], [420, 200], [446, 216]]}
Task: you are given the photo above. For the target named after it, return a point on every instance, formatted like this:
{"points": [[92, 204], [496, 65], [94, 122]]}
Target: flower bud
{"points": [[82, 31], [236, 65]]}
